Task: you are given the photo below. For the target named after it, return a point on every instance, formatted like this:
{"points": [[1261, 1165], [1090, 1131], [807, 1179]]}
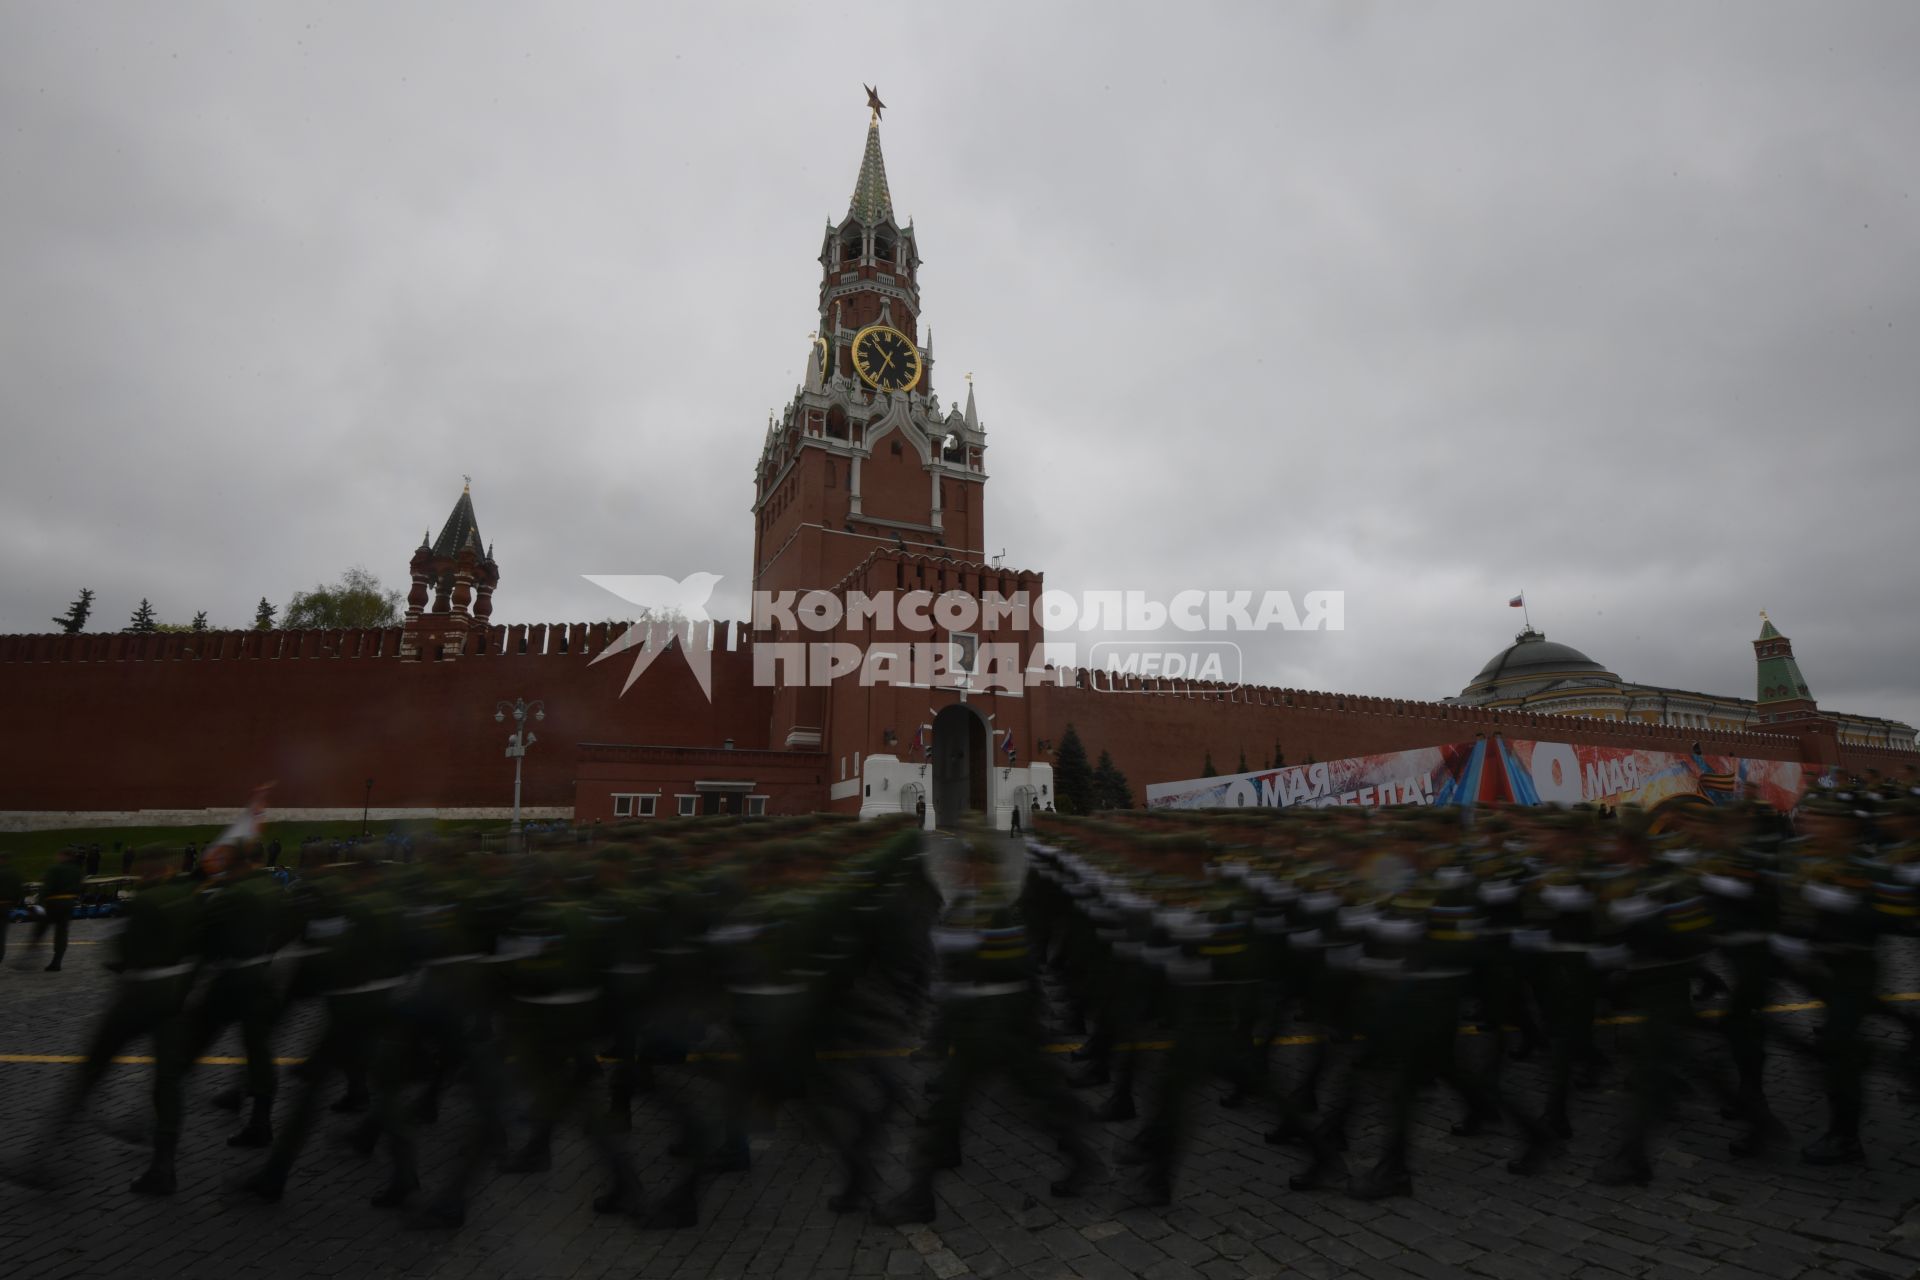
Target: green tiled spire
{"points": [[871, 201], [1778, 678]]}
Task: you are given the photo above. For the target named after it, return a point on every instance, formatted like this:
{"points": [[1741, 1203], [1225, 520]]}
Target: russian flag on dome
{"points": [[1518, 602]]}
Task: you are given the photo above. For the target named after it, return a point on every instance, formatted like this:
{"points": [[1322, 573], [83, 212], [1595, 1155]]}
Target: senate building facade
{"points": [[1537, 674]]}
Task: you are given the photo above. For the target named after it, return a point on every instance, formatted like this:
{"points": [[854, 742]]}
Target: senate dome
{"points": [[1534, 665]]}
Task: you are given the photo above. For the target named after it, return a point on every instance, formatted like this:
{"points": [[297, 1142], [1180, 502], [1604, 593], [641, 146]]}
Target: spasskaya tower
{"points": [[863, 457]]}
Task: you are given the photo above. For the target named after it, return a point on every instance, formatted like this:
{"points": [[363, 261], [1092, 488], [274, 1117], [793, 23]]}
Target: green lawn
{"points": [[31, 851]]}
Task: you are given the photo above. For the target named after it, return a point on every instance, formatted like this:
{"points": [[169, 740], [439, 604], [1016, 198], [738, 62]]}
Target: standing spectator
{"points": [[126, 857], [93, 860], [12, 894], [273, 854], [58, 892]]}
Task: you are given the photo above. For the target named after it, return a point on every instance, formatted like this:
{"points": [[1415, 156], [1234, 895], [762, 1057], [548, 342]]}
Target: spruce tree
{"points": [[143, 622], [1072, 775], [263, 615], [1206, 768], [75, 618], [1243, 761], [199, 622], [1110, 787]]}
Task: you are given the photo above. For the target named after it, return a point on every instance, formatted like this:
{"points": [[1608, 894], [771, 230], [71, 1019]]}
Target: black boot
{"points": [[856, 1192], [535, 1157], [623, 1196], [1388, 1178], [1477, 1121], [1117, 1108], [394, 1195], [1080, 1169], [1542, 1145], [1624, 1168], [1763, 1130], [1329, 1168], [158, 1179], [229, 1099], [269, 1184], [259, 1128]]}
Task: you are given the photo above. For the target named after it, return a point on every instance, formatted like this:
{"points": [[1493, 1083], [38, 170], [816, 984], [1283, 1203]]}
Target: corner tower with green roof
{"points": [[1781, 691]]}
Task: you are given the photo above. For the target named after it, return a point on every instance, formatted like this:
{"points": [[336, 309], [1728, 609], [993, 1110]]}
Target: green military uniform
{"points": [[356, 958], [994, 1026], [245, 922], [156, 962]]}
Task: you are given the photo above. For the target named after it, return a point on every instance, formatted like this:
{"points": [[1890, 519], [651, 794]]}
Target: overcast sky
{"points": [[1616, 304]]}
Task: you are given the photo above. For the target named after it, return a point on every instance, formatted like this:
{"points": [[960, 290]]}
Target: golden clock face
{"points": [[886, 358]]}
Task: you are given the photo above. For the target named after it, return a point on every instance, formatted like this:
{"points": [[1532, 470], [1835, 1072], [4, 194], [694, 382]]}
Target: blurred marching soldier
{"points": [[156, 963], [1897, 903], [555, 1017], [1324, 941], [438, 1023], [59, 890], [1208, 967], [625, 924], [991, 1011], [1830, 941], [1660, 933], [1556, 956], [355, 957], [1741, 883], [243, 926]]}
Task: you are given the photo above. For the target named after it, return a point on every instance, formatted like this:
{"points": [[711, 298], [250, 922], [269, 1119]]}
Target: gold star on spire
{"points": [[873, 101]]}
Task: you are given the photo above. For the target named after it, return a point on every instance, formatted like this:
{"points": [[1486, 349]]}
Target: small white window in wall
{"points": [[623, 806], [689, 805], [643, 806], [756, 806]]}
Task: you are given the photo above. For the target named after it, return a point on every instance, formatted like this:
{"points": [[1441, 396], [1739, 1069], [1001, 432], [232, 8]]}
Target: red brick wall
{"points": [[124, 722], [1166, 736]]}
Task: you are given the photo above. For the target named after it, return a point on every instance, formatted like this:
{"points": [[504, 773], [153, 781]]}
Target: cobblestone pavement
{"points": [[1704, 1216]]}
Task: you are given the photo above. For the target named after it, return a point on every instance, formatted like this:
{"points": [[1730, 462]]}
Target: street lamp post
{"points": [[521, 710]]}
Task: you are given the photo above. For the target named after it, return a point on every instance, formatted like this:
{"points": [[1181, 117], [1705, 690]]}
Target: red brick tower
{"points": [[862, 458], [866, 484], [456, 574]]}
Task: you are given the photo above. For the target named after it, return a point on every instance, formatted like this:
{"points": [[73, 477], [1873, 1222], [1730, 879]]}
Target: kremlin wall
{"points": [[863, 482], [179, 725]]}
